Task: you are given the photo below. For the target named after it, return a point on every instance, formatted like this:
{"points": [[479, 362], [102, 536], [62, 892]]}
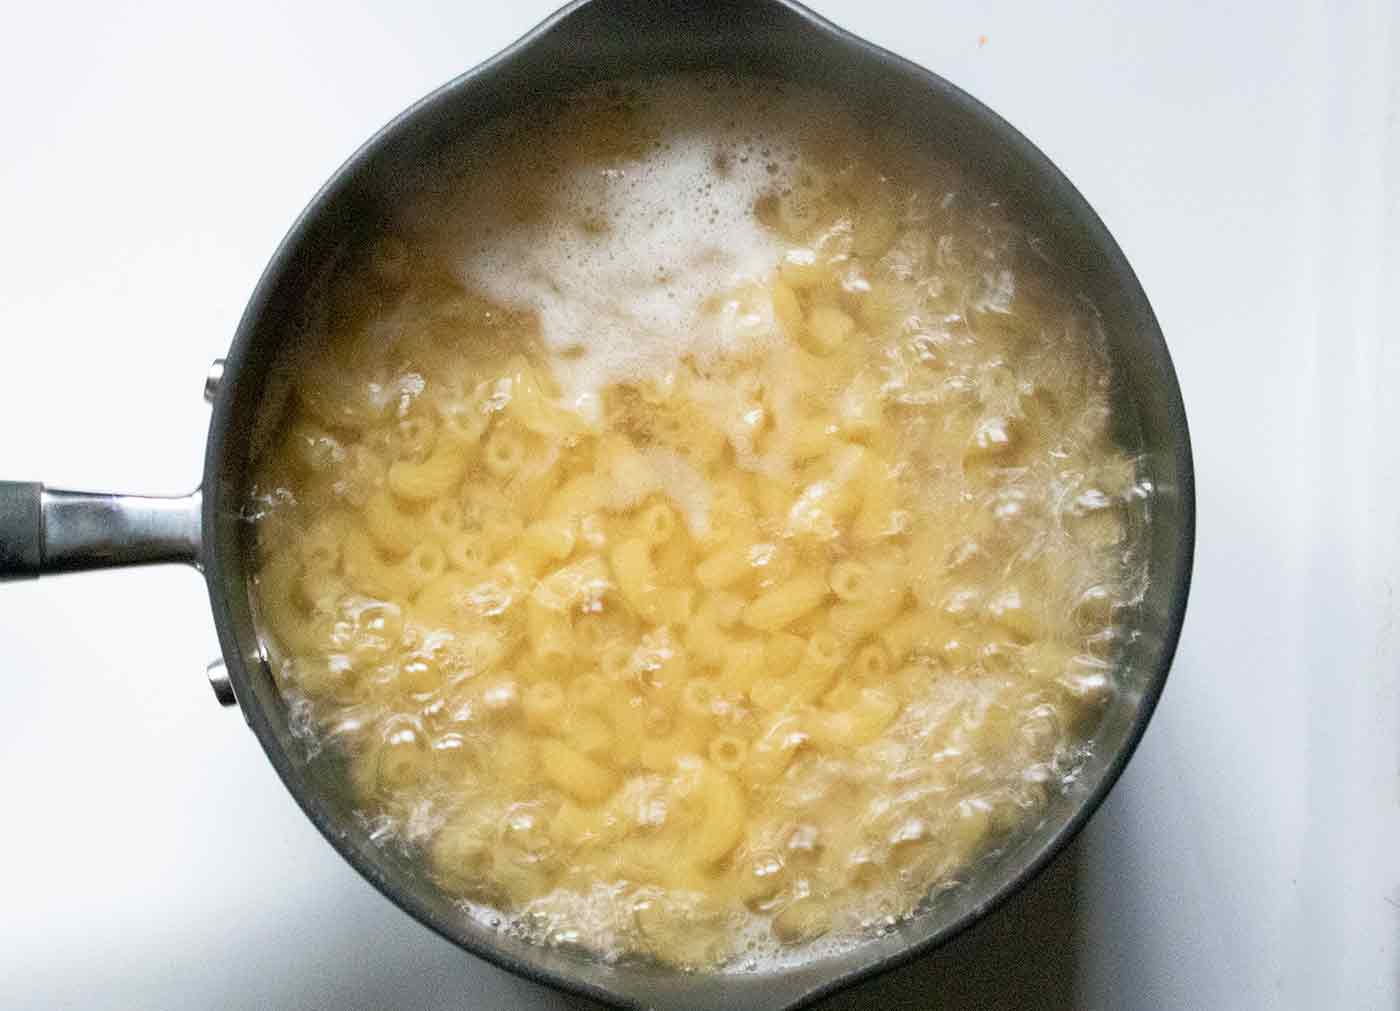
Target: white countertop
{"points": [[1247, 161]]}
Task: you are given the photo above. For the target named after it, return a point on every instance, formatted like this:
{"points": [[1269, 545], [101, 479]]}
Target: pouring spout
{"points": [[682, 33]]}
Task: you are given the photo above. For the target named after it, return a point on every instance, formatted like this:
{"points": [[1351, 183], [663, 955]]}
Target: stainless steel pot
{"points": [[44, 531]]}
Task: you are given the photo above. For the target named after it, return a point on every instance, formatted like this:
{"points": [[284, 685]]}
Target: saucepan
{"points": [[44, 531]]}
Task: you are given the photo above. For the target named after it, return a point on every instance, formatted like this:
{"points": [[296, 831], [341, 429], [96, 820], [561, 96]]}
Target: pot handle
{"points": [[44, 530]]}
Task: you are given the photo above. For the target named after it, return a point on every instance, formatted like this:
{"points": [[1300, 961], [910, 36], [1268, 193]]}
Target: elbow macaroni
{"points": [[782, 633]]}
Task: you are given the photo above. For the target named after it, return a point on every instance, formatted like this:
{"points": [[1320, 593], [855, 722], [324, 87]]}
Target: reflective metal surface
{"points": [[92, 530], [213, 379], [217, 673], [49, 530]]}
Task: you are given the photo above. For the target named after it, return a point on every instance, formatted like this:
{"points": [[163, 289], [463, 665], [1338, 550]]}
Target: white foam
{"points": [[640, 259], [684, 485]]}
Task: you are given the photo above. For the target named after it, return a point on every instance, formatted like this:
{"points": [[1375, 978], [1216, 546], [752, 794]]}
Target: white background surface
{"points": [[1247, 160]]}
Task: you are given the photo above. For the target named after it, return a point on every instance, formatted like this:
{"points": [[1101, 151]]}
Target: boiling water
{"points": [[701, 526]]}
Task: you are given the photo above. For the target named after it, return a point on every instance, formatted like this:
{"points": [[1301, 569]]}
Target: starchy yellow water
{"points": [[699, 524]]}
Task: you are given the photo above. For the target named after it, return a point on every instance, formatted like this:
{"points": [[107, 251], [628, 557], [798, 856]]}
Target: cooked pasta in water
{"points": [[699, 526]]}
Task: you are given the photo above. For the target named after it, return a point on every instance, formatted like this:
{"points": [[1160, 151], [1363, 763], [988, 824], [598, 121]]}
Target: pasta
{"points": [[433, 478], [638, 626], [631, 566], [785, 603], [586, 780], [722, 813]]}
